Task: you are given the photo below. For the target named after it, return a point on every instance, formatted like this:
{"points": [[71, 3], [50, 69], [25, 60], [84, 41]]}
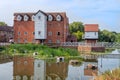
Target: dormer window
{"points": [[26, 18], [33, 17], [19, 18], [50, 17], [58, 18]]}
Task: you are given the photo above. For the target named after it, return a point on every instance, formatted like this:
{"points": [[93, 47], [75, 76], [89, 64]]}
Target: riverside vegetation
{"points": [[42, 50], [110, 75]]}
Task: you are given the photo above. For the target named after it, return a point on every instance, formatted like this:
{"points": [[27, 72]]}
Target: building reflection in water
{"points": [[90, 68], [56, 71], [23, 68], [39, 69], [26, 68]]}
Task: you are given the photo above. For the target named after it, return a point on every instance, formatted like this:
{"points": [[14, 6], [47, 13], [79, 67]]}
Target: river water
{"points": [[28, 68]]}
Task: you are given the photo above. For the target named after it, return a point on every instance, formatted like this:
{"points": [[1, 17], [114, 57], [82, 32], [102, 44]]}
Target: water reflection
{"points": [[23, 68], [26, 68], [90, 69]]}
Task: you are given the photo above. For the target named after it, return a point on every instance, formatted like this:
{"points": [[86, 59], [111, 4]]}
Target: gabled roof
{"points": [[91, 28], [41, 12], [30, 14]]}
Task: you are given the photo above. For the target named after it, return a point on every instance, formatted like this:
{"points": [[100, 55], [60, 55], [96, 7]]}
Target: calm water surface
{"points": [[28, 68]]}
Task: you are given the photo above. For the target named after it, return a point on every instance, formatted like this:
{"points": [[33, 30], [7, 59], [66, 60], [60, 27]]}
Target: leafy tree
{"points": [[76, 26], [3, 24], [118, 37], [79, 35], [107, 36], [77, 29]]}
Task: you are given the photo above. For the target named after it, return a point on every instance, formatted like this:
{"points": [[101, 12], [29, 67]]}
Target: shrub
{"points": [[42, 50]]}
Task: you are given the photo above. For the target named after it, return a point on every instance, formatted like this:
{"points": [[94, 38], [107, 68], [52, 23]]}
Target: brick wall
{"points": [[57, 31], [23, 31], [84, 49]]}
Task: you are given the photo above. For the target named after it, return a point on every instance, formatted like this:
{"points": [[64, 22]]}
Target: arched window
{"points": [[50, 17], [58, 17], [26, 17], [33, 17], [19, 18]]}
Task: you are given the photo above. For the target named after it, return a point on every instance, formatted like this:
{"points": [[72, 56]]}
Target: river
{"points": [[28, 68]]}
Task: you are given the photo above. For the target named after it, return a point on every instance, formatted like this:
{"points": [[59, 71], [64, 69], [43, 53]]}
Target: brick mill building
{"points": [[40, 27], [91, 33]]}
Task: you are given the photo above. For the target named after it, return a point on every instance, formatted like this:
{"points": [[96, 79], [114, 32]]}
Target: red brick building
{"points": [[40, 27], [6, 33], [91, 33]]}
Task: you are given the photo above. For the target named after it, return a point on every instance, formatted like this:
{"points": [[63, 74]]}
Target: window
{"points": [[49, 41], [58, 41], [50, 17], [38, 64], [58, 33], [50, 33], [18, 33], [25, 62], [39, 32], [18, 62], [25, 40], [39, 17], [25, 77], [18, 40], [26, 18], [19, 18], [25, 33], [18, 77], [33, 17], [95, 33], [58, 17]]}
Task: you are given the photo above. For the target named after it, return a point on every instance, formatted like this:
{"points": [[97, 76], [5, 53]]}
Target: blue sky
{"points": [[106, 13]]}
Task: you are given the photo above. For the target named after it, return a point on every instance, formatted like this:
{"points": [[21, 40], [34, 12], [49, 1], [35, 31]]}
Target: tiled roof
{"points": [[6, 28], [91, 27], [54, 14]]}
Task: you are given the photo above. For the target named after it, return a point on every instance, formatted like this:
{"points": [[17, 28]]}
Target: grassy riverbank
{"points": [[110, 75], [42, 50], [107, 51]]}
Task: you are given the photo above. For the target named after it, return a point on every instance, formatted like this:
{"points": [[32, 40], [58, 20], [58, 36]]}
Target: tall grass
{"points": [[42, 50], [110, 75]]}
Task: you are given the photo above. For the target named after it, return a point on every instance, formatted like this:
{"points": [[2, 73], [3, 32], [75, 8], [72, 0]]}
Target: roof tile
{"points": [[91, 28]]}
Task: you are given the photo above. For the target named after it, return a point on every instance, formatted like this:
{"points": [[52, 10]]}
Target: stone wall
{"points": [[84, 49]]}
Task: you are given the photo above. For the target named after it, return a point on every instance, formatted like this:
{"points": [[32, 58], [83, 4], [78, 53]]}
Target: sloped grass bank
{"points": [[42, 50]]}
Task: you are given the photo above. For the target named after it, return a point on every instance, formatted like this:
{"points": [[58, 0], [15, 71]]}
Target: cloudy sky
{"points": [[106, 13]]}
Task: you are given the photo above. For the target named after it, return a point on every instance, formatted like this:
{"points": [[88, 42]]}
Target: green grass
{"points": [[43, 51], [107, 51]]}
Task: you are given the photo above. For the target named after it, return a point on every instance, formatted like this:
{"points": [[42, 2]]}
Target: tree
{"points": [[76, 26], [77, 29], [79, 35], [107, 36], [118, 37], [3, 24]]}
